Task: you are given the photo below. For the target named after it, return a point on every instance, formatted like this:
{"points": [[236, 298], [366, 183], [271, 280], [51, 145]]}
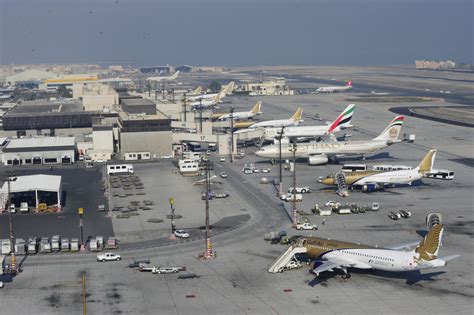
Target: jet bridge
{"points": [[282, 261]]}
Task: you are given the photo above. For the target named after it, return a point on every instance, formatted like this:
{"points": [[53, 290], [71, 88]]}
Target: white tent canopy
{"points": [[34, 183]]}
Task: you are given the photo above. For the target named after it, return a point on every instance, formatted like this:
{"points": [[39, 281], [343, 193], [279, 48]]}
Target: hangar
{"points": [[35, 190]]}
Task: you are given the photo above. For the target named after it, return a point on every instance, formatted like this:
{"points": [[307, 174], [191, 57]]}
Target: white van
{"points": [[24, 207], [120, 169]]}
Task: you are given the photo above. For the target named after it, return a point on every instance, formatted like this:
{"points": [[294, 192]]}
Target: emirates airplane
{"points": [[334, 89]]}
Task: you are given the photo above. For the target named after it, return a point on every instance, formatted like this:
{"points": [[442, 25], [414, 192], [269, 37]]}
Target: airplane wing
{"points": [[334, 263], [404, 246]]}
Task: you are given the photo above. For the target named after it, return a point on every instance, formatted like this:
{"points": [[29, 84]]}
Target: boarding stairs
{"points": [[279, 264], [342, 189]]}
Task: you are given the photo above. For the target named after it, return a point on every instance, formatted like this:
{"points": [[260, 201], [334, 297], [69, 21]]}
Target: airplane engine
{"points": [[318, 159], [370, 187]]}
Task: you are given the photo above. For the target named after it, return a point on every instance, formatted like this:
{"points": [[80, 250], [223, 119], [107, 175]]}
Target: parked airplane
{"points": [[343, 121], [333, 254], [225, 90], [334, 89], [256, 110], [292, 121], [206, 103], [195, 92], [164, 78], [319, 152], [383, 178]]}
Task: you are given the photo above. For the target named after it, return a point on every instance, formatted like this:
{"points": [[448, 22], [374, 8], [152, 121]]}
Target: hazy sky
{"points": [[235, 32]]}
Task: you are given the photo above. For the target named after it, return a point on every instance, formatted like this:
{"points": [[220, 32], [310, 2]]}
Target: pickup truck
{"points": [[306, 226], [289, 197], [300, 190], [108, 257]]}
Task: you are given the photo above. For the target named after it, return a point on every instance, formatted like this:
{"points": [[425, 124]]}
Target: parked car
{"points": [[167, 156], [1, 284], [223, 174], [404, 214], [256, 170], [24, 207], [394, 216], [222, 159], [221, 195], [290, 197], [181, 233], [12, 208], [108, 257], [264, 180], [167, 270], [300, 190], [265, 170]]}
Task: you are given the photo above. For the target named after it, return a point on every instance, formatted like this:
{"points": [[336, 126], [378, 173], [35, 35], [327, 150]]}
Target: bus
{"points": [[119, 169], [441, 174], [194, 146]]}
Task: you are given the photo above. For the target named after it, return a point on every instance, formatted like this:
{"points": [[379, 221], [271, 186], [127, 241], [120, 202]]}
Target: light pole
{"points": [[208, 254], [184, 106], [171, 201], [11, 178], [280, 189], [232, 134], [81, 225], [293, 149]]}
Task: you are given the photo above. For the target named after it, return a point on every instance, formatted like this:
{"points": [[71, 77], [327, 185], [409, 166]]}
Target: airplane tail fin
{"points": [[343, 120], [175, 75], [426, 165], [297, 115], [429, 245], [257, 108], [197, 91], [217, 98], [392, 131], [349, 83], [229, 88]]}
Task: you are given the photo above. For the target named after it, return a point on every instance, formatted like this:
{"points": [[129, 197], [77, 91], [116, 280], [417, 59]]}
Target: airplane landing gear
{"points": [[346, 274]]}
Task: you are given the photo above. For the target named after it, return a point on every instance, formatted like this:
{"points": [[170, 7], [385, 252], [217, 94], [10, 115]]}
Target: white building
{"points": [[44, 150], [276, 86], [95, 96]]}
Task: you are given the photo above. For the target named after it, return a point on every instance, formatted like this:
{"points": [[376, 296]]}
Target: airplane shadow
{"points": [[411, 277]]}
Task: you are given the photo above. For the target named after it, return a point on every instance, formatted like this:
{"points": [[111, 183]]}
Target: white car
{"points": [[256, 170], [300, 190], [166, 156], [306, 226], [222, 159], [181, 234], [289, 197], [223, 174], [167, 270], [1, 284], [265, 170], [108, 257]]}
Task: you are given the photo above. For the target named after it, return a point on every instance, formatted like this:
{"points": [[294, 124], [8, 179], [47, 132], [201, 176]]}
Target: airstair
{"points": [[341, 184], [282, 261]]}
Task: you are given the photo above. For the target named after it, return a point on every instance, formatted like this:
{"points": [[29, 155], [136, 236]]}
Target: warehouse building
{"points": [[138, 106], [37, 151]]}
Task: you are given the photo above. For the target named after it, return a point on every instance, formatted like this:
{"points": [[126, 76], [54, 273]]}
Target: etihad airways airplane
{"points": [[256, 110], [334, 89], [343, 121], [383, 178], [163, 78], [330, 255], [319, 153]]}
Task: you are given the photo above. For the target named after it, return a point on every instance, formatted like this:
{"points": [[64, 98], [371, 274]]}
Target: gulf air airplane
{"points": [[163, 78], [342, 122], [330, 255], [225, 90], [384, 178], [195, 92], [334, 89], [206, 103], [256, 110], [319, 153]]}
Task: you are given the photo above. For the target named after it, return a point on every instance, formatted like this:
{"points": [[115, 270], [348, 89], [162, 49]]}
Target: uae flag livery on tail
{"points": [[343, 121]]}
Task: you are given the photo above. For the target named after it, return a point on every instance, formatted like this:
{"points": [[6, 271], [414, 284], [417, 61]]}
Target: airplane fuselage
{"points": [[326, 148]]}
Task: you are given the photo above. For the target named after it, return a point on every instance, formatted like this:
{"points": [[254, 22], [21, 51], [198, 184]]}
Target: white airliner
{"points": [[256, 110], [330, 255], [207, 103], [319, 152], [163, 78], [384, 178], [342, 122], [225, 90], [334, 89]]}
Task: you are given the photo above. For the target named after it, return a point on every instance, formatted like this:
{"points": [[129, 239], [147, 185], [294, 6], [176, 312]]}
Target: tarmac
{"points": [[237, 281]]}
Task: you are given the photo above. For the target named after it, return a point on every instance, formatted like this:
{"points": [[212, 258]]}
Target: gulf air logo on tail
{"points": [[344, 118], [429, 245], [392, 130], [256, 108], [298, 114], [349, 83]]}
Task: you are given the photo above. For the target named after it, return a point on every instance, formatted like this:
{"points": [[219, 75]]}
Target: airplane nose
{"points": [[328, 181]]}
